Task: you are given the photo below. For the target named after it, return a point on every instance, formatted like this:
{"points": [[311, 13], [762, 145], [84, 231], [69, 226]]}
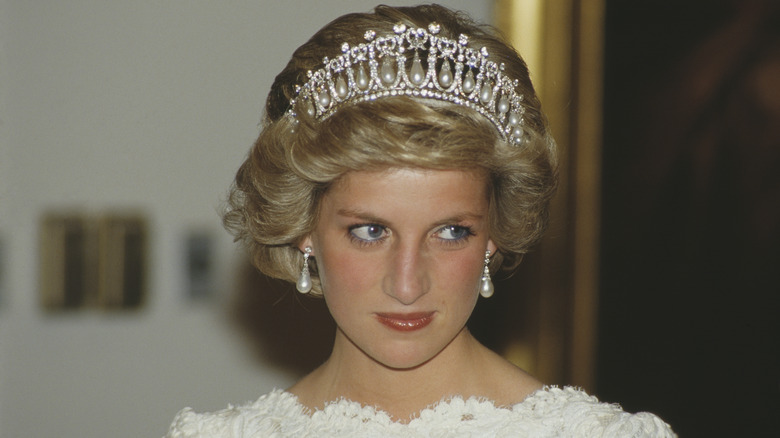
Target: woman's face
{"points": [[400, 254]]}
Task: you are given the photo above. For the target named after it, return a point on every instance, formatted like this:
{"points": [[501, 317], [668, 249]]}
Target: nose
{"points": [[407, 277]]}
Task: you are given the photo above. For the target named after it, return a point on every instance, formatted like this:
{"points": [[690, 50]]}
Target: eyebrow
{"points": [[359, 214], [368, 217]]}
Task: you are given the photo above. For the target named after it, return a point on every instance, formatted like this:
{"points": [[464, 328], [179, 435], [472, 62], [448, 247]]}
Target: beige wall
{"points": [[150, 105]]}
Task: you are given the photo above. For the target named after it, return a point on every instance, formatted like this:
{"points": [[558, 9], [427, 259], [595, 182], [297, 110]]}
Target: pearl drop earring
{"points": [[485, 285], [304, 280]]}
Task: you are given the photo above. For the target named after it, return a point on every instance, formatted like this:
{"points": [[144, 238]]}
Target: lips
{"points": [[406, 322]]}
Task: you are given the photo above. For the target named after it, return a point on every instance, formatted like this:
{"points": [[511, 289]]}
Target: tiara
{"points": [[452, 72]]}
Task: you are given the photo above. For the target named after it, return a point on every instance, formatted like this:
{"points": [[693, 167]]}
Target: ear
{"points": [[307, 241], [491, 246]]}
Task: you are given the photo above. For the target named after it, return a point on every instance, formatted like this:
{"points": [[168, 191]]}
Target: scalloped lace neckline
{"points": [[453, 404]]}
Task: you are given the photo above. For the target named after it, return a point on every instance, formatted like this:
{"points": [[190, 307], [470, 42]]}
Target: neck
{"points": [[352, 374]]}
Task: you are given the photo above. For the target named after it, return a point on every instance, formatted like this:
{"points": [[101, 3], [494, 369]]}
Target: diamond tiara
{"points": [[453, 72]]}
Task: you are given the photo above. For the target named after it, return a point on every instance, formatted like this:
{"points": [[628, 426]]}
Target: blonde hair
{"points": [[274, 201]]}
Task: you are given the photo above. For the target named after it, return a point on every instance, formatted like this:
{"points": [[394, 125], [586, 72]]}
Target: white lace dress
{"points": [[549, 412]]}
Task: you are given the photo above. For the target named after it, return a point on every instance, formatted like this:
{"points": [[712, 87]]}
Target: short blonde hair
{"points": [[274, 202]]}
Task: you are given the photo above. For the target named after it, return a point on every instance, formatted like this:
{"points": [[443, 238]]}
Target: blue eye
{"points": [[454, 232], [367, 233]]}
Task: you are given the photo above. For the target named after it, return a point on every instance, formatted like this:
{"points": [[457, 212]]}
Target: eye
{"points": [[454, 232], [368, 232]]}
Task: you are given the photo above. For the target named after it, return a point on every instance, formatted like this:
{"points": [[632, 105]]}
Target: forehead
{"points": [[402, 176], [408, 189]]}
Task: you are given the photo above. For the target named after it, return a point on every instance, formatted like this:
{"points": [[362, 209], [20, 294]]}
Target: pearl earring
{"points": [[304, 280], [485, 285]]}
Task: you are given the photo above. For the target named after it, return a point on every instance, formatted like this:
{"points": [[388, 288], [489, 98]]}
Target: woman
{"points": [[392, 178]]}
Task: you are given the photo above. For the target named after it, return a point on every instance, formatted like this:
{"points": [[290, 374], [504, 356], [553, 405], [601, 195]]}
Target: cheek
{"points": [[459, 279], [345, 282], [464, 271], [342, 273]]}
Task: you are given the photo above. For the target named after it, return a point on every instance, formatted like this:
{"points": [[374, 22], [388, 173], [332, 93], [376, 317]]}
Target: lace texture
{"points": [[549, 412]]}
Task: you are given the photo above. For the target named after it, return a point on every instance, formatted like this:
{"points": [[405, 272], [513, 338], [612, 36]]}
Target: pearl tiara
{"points": [[453, 72]]}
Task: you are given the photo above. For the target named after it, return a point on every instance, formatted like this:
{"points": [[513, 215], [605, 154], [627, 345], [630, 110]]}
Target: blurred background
{"points": [[690, 288], [122, 300]]}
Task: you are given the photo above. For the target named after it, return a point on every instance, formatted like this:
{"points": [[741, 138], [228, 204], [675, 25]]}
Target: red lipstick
{"points": [[406, 322]]}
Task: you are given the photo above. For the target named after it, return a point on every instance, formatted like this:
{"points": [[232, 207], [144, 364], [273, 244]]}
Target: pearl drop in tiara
{"points": [[451, 72]]}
